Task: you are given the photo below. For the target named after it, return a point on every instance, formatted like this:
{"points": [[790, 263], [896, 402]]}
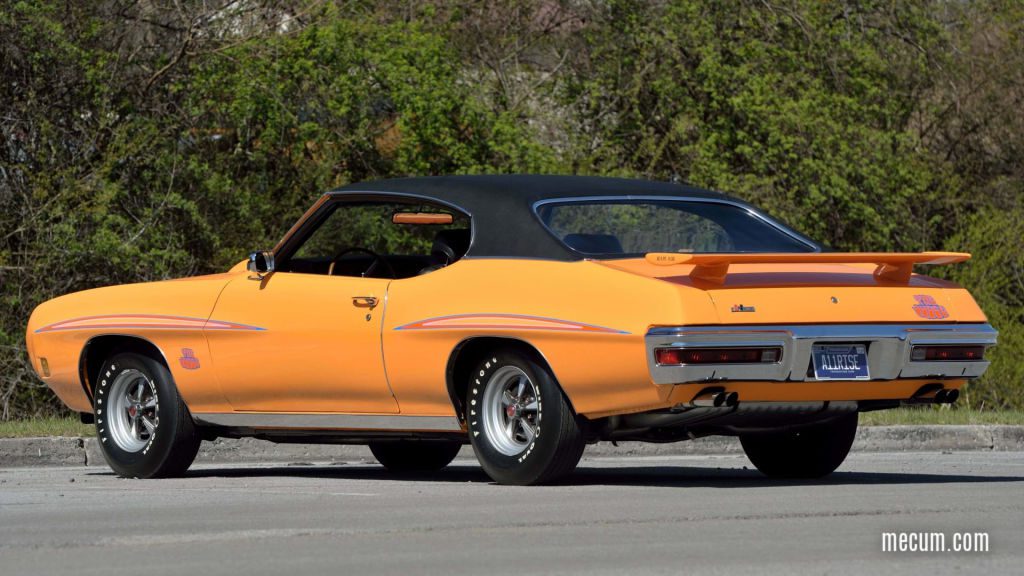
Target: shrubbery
{"points": [[139, 143]]}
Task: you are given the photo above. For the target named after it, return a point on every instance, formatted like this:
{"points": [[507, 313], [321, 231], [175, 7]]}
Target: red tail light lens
{"points": [[681, 356], [947, 353]]}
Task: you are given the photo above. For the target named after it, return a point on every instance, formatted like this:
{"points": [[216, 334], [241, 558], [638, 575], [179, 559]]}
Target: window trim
{"points": [[814, 246], [311, 221]]}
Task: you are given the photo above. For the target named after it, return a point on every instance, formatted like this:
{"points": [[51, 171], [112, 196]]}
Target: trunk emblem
{"points": [[742, 308], [928, 308]]}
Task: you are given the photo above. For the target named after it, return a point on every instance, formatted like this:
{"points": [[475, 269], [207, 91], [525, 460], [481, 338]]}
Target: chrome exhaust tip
{"points": [[952, 395], [715, 397], [731, 399]]}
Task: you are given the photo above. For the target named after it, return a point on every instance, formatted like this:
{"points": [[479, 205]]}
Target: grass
{"points": [[45, 427], [925, 415], [933, 415]]}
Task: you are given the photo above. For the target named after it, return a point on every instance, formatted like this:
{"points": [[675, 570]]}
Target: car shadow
{"points": [[684, 476], [645, 476]]}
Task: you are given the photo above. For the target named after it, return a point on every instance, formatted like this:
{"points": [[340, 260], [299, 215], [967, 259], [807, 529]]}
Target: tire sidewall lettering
{"points": [[124, 462], [474, 417]]}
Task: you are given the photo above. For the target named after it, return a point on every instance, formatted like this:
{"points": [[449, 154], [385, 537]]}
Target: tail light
{"points": [[683, 356], [947, 353]]}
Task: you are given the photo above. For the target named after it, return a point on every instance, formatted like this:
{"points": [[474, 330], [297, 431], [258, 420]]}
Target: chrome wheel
{"points": [[520, 423], [132, 410], [511, 410]]}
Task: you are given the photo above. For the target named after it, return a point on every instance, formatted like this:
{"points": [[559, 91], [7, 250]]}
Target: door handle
{"points": [[365, 302]]}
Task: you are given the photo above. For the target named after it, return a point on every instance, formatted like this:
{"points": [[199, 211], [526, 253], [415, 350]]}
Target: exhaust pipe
{"points": [[934, 393], [947, 396], [720, 398], [705, 399], [731, 399], [715, 398]]}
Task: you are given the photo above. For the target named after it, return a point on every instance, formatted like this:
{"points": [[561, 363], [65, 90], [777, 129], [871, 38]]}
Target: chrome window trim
{"points": [[284, 249], [694, 199], [889, 347]]}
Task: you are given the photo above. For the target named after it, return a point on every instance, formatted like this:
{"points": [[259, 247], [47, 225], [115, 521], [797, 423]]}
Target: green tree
{"points": [[141, 141]]}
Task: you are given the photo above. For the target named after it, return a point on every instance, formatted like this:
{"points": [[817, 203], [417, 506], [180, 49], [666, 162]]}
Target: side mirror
{"points": [[260, 263]]}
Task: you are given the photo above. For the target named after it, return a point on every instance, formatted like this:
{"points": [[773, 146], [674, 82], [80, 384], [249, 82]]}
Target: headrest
{"points": [[594, 243], [450, 245]]}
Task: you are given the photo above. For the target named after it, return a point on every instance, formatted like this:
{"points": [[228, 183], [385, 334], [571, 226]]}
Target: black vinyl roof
{"points": [[501, 206]]}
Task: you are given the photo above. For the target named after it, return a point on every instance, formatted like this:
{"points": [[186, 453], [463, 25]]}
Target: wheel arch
{"points": [[471, 350], [99, 348]]}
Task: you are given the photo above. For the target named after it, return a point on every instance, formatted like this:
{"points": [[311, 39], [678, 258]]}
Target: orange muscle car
{"points": [[526, 315]]}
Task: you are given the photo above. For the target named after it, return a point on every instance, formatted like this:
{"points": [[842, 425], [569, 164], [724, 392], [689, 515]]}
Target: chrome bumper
{"points": [[888, 350]]}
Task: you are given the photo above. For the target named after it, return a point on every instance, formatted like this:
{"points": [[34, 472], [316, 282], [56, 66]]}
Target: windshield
{"points": [[626, 227]]}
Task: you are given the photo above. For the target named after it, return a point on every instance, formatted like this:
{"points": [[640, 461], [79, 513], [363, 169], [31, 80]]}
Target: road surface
{"points": [[654, 515]]}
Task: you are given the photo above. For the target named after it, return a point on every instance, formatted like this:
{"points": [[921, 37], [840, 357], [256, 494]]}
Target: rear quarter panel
{"points": [[587, 320]]}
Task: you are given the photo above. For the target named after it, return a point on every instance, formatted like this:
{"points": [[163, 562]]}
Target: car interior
{"points": [[621, 228], [381, 240], [593, 243]]}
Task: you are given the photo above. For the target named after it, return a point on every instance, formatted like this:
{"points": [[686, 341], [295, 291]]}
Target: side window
{"points": [[382, 240]]}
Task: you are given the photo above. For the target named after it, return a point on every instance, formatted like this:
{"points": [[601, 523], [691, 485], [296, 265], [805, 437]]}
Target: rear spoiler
{"points": [[894, 266]]}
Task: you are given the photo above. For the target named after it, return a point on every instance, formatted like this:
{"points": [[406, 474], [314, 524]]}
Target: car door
{"points": [[316, 342], [316, 345]]}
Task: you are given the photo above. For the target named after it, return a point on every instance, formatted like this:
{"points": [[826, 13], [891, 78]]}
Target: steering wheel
{"points": [[377, 260]]}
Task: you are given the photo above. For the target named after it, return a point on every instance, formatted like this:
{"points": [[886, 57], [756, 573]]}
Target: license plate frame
{"points": [[840, 362]]}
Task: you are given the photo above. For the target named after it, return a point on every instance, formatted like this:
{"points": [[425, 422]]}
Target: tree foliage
{"points": [[141, 140]]}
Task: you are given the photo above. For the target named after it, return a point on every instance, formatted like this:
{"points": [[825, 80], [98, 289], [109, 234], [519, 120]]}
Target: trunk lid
{"points": [[813, 288]]}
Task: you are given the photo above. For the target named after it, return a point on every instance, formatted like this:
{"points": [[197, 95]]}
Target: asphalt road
{"points": [[659, 515]]}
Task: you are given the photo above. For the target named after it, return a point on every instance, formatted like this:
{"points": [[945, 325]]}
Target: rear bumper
{"points": [[889, 347]]}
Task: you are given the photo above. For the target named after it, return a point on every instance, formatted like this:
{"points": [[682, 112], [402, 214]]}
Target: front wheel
{"points": [[142, 424], [520, 424], [810, 452]]}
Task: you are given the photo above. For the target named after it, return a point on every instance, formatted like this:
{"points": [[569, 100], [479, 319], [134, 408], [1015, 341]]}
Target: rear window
{"points": [[635, 227]]}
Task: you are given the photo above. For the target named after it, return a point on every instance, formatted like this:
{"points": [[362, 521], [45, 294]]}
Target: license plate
{"points": [[840, 362]]}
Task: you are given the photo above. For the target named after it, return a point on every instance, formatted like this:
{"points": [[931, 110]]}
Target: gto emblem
{"points": [[927, 307], [742, 308], [188, 359]]}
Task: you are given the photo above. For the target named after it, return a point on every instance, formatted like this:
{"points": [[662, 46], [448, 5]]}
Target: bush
{"points": [[139, 143], [996, 273]]}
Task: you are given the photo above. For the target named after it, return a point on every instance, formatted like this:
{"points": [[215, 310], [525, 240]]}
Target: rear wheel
{"points": [[810, 452], [143, 426], [410, 456], [520, 424]]}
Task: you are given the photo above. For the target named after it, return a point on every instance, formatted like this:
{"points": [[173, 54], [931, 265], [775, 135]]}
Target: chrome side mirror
{"points": [[261, 263]]}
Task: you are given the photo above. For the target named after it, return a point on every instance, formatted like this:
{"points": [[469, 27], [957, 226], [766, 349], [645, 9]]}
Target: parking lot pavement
{"points": [[641, 515]]}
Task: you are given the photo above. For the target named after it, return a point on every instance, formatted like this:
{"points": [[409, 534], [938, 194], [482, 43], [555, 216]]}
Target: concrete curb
{"points": [[61, 451]]}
